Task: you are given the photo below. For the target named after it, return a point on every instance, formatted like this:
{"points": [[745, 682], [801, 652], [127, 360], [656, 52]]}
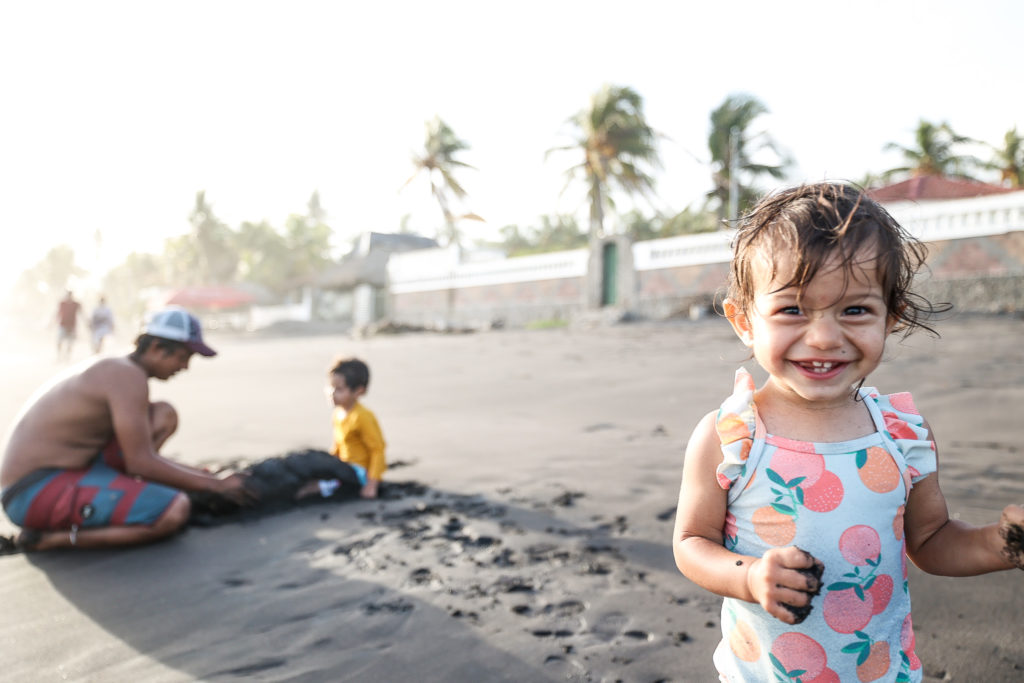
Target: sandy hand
{"points": [[1011, 528], [813, 576], [783, 581], [236, 489]]}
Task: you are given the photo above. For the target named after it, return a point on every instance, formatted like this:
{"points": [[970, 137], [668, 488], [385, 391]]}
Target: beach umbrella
{"points": [[209, 297]]}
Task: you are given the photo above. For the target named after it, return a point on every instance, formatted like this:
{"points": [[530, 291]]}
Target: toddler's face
{"points": [[341, 395], [818, 342]]}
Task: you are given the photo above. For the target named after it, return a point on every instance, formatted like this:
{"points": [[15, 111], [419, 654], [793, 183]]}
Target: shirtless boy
{"points": [[82, 465]]}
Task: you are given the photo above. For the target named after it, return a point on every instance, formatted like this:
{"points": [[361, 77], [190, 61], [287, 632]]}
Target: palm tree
{"points": [[439, 162], [733, 146], [616, 142], [1009, 160], [933, 153]]}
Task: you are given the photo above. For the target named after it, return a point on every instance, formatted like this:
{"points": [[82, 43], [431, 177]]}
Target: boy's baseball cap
{"points": [[177, 324]]}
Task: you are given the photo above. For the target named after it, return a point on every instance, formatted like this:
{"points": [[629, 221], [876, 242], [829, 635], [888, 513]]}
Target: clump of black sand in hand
{"points": [[274, 483], [1013, 534], [813, 574]]}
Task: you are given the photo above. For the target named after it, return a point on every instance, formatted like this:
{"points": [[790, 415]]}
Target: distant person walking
{"points": [[67, 323], [101, 322]]}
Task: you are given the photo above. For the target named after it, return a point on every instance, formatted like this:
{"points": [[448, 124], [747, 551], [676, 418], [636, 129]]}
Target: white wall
{"points": [[436, 269], [952, 219], [446, 268]]}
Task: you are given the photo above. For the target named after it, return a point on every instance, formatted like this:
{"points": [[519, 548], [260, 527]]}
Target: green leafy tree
{"points": [[263, 256], [1009, 159], [215, 247], [640, 227], [871, 179], [733, 146], [45, 281], [56, 269], [182, 261], [618, 147], [438, 161], [308, 242], [559, 233], [515, 241], [126, 284], [933, 152], [689, 221], [555, 233]]}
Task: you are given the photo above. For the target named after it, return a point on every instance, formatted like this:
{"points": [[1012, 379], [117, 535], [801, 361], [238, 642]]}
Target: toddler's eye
{"points": [[790, 310], [856, 310]]}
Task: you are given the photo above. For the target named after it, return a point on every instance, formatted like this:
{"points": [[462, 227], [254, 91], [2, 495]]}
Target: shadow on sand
{"points": [[416, 585]]}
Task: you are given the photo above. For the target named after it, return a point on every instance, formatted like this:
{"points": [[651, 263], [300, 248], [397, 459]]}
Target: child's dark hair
{"points": [[144, 341], [816, 222], [355, 372]]}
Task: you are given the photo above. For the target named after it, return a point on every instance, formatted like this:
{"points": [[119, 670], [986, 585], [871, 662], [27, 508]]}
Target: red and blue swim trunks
{"points": [[100, 495]]}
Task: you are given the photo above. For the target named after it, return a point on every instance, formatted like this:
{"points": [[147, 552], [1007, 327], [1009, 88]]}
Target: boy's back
{"points": [[358, 440]]}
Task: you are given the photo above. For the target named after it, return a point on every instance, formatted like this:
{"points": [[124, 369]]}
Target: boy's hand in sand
{"points": [[234, 488], [369, 490], [775, 581], [1011, 529]]}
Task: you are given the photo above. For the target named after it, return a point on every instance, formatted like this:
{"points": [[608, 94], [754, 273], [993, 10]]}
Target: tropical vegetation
{"points": [[737, 155], [617, 156], [618, 148], [438, 162], [934, 152], [1008, 160]]}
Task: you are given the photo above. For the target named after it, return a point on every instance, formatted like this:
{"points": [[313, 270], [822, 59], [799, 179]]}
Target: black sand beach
{"points": [[527, 536]]}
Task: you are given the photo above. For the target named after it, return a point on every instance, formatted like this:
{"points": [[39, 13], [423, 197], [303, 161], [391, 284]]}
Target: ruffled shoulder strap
{"points": [[737, 424], [898, 419]]}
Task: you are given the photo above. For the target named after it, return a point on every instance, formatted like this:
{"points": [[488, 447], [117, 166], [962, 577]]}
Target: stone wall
{"points": [[669, 292], [675, 277], [512, 303]]}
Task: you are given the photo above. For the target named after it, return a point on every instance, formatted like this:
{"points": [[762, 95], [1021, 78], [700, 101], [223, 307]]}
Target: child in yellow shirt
{"points": [[358, 440]]}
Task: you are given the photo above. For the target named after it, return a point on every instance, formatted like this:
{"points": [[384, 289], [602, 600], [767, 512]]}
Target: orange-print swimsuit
{"points": [[842, 502]]}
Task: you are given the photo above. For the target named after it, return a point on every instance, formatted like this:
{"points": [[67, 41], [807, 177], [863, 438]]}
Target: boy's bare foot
{"points": [[308, 490]]}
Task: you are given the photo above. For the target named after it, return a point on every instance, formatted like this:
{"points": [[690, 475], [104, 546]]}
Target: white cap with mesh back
{"points": [[177, 324]]}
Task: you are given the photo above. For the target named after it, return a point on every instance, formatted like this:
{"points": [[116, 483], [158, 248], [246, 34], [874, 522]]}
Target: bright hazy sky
{"points": [[116, 113]]}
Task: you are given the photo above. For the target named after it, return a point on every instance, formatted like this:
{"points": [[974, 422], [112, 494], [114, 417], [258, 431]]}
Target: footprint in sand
{"points": [[609, 626], [396, 606], [567, 499], [637, 634], [235, 582], [566, 609], [551, 633], [254, 668]]}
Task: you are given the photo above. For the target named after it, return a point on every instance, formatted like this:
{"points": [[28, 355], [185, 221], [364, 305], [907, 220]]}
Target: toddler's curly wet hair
{"points": [[815, 222]]}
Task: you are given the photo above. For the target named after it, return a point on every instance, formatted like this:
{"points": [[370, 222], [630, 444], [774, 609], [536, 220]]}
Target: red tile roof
{"points": [[932, 187]]}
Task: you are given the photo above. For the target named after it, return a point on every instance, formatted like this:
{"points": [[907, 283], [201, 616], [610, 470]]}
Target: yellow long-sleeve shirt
{"points": [[358, 440]]}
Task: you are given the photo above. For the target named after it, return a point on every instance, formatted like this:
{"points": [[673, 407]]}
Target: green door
{"points": [[609, 273]]}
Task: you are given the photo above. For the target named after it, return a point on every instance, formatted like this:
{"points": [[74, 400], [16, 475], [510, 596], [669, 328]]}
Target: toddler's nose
{"points": [[823, 332]]}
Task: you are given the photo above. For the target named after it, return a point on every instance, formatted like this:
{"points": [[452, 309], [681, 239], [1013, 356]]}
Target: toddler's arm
{"points": [[770, 580], [949, 547]]}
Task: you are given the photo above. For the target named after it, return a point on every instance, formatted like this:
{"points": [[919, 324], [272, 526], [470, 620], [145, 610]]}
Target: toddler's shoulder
{"points": [[736, 423], [898, 417]]}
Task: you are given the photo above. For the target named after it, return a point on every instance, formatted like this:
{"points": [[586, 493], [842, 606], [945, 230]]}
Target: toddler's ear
{"points": [[739, 321]]}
